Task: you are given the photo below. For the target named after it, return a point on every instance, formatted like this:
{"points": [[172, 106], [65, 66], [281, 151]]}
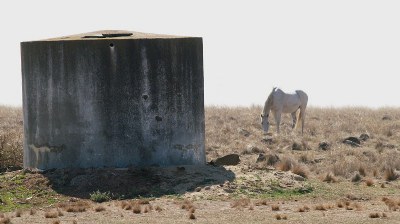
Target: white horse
{"points": [[280, 102]]}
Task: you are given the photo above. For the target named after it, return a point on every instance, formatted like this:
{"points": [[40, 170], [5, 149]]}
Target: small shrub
{"points": [[99, 197]]}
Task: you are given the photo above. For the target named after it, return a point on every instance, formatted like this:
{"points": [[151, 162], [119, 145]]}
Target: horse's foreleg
{"points": [[277, 120]]}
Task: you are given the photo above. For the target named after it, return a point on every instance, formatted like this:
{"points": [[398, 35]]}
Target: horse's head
{"points": [[265, 122]]}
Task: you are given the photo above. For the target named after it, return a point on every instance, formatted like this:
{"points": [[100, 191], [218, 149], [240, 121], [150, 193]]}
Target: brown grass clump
{"points": [[284, 165], [384, 215], [305, 208], [240, 203], [340, 204], [158, 208], [78, 206], [261, 202], [275, 207], [137, 208], [369, 182], [99, 208], [51, 215], [186, 204], [321, 207], [392, 204], [330, 178], [56, 222], [390, 174], [374, 215], [300, 170], [74, 222], [356, 178], [362, 172], [5, 220], [192, 216], [32, 212], [279, 217], [18, 213], [126, 206]]}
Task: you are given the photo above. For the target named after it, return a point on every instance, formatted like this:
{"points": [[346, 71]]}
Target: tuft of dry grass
{"points": [[137, 208], [390, 174], [285, 164], [280, 217], [158, 208], [261, 202], [330, 178], [240, 203], [369, 182], [321, 207], [5, 220], [18, 213], [51, 214], [374, 215], [32, 211], [300, 170], [192, 216], [99, 208], [76, 206], [305, 208], [275, 207], [56, 222], [362, 171]]}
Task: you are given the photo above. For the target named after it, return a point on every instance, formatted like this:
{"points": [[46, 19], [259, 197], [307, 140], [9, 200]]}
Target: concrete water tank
{"points": [[113, 99]]}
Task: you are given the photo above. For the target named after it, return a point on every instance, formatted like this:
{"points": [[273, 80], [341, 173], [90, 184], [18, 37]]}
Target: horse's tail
{"points": [[304, 100], [300, 114]]}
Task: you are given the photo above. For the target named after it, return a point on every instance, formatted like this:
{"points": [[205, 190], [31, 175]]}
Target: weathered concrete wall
{"points": [[113, 102]]}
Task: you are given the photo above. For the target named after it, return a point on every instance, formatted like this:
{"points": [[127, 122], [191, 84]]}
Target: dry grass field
{"points": [[287, 178]]}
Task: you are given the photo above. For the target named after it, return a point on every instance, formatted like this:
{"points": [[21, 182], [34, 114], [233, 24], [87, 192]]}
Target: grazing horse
{"points": [[280, 102]]}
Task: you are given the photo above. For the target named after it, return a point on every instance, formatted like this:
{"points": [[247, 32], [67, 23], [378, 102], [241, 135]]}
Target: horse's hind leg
{"points": [[294, 119]]}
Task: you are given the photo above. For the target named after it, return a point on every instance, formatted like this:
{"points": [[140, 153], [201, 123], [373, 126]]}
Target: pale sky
{"points": [[341, 52]]}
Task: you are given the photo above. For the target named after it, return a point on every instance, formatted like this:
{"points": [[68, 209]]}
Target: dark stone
{"points": [[297, 146], [272, 159], [324, 146], [364, 137], [244, 132], [228, 160], [261, 158], [267, 140], [353, 141]]}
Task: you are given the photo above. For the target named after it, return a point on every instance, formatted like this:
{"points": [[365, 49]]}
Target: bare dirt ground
{"points": [[286, 178]]}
